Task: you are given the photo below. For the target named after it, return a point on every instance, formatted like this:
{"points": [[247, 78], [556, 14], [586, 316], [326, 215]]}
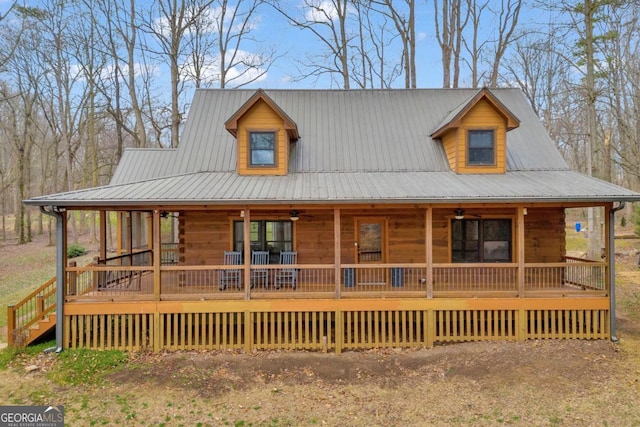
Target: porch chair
{"points": [[230, 277], [259, 275], [287, 276]]}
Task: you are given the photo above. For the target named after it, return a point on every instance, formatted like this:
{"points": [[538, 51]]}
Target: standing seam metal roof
{"points": [[354, 146], [357, 131]]}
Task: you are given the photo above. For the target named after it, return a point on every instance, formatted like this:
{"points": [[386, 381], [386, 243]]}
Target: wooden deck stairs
{"points": [[32, 317], [41, 327]]}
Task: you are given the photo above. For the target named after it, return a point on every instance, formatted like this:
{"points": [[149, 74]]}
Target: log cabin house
{"points": [[336, 220]]}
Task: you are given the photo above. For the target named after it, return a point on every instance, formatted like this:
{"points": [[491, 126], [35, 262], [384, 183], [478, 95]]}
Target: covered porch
{"points": [[342, 253], [408, 290], [166, 295]]}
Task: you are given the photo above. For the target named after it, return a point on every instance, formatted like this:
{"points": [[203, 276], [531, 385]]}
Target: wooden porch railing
{"points": [[26, 313], [304, 280], [134, 285], [169, 253], [142, 257], [476, 277]]}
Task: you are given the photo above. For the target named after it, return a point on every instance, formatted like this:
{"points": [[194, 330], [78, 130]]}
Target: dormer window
{"points": [[264, 133], [262, 148], [481, 147], [474, 134]]}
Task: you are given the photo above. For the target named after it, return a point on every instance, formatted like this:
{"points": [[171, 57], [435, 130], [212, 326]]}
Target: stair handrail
{"points": [[29, 310]]}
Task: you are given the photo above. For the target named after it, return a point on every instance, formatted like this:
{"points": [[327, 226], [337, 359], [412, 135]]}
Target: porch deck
{"points": [[331, 308], [373, 306]]}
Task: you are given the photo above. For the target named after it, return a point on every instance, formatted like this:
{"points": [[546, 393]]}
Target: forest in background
{"points": [[82, 80]]}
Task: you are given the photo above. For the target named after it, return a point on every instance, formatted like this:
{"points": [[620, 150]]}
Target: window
{"points": [[481, 146], [481, 240], [262, 148], [272, 236]]}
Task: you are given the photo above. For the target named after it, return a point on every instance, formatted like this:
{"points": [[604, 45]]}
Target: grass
{"points": [[25, 267], [576, 242], [22, 273], [82, 366], [9, 354], [628, 293]]}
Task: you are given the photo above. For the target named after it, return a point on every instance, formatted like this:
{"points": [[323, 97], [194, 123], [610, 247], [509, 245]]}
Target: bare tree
{"points": [[475, 46], [450, 20], [404, 19], [8, 49], [539, 71], [63, 85], [120, 39], [327, 21], [21, 107], [8, 170], [623, 94], [508, 16], [91, 59], [169, 22], [588, 11], [200, 43], [373, 63], [233, 26]]}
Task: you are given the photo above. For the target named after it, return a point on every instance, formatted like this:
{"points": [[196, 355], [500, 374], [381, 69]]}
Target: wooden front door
{"points": [[371, 249]]}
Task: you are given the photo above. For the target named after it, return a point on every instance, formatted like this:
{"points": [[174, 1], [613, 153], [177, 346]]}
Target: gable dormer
{"points": [[474, 135], [263, 132]]}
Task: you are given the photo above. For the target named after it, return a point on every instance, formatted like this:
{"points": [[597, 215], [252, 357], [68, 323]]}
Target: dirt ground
{"points": [[568, 383]]}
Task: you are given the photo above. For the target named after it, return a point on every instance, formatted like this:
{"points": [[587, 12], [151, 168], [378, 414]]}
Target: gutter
{"points": [[55, 212], [612, 270], [142, 204]]}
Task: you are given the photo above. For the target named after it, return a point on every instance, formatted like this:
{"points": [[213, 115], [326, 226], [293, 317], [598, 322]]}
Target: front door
{"points": [[371, 249]]}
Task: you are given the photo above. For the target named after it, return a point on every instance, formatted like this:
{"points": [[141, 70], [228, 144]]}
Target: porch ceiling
{"points": [[221, 188]]}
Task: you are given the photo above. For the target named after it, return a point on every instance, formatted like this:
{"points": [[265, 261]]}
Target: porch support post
{"points": [[336, 250], [246, 233], [520, 249], [248, 330], [130, 236], [103, 234], [611, 265], [150, 228], [339, 333], [157, 256], [119, 227], [428, 238]]}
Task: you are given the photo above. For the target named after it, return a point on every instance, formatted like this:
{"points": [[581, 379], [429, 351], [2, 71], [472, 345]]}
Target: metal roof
{"points": [[357, 146], [137, 164], [219, 188]]}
